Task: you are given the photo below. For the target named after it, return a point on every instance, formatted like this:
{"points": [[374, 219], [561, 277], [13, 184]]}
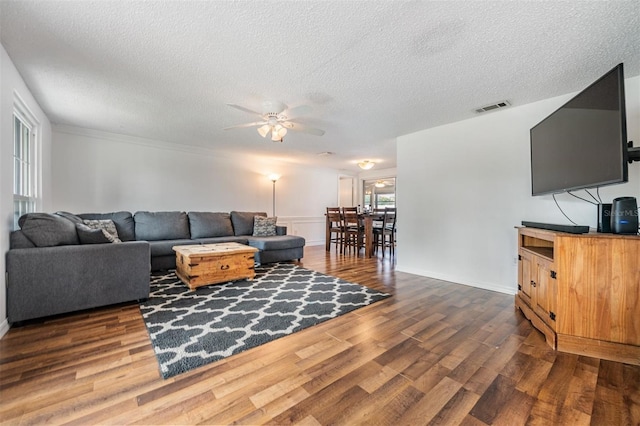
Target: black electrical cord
{"points": [[594, 198], [583, 199], [598, 194], [561, 211]]}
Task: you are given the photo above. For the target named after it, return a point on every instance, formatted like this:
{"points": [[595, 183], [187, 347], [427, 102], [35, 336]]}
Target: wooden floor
{"points": [[434, 353]]}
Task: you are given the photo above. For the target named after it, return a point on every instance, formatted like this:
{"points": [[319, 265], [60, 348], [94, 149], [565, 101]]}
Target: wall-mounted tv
{"points": [[583, 144]]}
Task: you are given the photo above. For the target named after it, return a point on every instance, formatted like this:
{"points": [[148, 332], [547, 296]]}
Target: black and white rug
{"points": [[193, 328]]}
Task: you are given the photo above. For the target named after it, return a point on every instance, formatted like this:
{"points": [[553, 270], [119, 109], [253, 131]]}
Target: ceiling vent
{"points": [[497, 105]]}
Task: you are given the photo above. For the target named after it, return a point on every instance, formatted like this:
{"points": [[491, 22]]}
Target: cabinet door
{"points": [[544, 297], [524, 276]]}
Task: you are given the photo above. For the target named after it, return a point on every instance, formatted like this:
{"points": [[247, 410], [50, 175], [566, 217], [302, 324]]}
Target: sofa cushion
{"points": [[280, 242], [48, 230], [72, 217], [264, 226], [243, 222], [165, 247], [122, 219], [18, 240], [88, 235], [207, 224], [156, 226], [106, 226], [242, 239]]}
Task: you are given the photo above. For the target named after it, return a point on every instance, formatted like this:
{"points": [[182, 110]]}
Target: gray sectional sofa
{"points": [[62, 262]]}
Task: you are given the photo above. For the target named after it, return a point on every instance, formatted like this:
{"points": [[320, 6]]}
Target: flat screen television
{"points": [[583, 144]]}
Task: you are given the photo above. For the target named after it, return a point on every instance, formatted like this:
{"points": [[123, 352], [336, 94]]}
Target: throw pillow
{"points": [[243, 222], [89, 235], [122, 219], [264, 226], [107, 226], [48, 230]]}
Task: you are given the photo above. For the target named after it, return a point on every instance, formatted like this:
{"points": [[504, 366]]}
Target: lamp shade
{"points": [[264, 130], [282, 131]]}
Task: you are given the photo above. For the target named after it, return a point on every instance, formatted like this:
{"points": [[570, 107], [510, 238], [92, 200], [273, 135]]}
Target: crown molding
{"points": [[135, 140]]}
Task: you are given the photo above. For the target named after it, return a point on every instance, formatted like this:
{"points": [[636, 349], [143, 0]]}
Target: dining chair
{"points": [[353, 230], [335, 229], [385, 236], [378, 211]]}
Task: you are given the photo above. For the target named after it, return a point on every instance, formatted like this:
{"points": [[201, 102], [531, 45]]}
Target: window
{"points": [[379, 193], [25, 172]]}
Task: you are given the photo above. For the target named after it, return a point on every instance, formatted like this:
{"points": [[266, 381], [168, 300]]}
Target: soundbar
{"points": [[571, 229]]}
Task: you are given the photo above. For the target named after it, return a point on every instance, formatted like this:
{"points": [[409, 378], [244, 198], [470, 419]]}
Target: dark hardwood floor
{"points": [[434, 353]]}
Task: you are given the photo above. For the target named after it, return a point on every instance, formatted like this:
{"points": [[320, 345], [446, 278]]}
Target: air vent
{"points": [[325, 153], [497, 105]]}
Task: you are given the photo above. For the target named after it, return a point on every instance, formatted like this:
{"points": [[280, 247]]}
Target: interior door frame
{"points": [[343, 191]]}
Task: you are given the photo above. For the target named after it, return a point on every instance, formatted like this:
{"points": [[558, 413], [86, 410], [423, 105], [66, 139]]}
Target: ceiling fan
{"points": [[276, 119]]}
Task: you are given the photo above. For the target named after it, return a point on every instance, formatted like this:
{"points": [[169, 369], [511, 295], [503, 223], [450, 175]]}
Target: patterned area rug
{"points": [[193, 328]]}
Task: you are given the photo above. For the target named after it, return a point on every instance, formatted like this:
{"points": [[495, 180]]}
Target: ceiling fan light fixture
{"points": [[366, 164], [275, 121], [264, 130], [379, 184]]}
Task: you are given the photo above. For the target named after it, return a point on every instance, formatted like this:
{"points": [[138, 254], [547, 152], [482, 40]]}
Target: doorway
{"points": [[346, 193], [379, 193]]}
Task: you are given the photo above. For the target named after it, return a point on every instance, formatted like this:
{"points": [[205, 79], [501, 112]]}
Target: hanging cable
{"points": [[594, 198], [580, 198], [560, 208]]}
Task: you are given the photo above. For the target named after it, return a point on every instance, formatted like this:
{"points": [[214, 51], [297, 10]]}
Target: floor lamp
{"points": [[274, 178]]}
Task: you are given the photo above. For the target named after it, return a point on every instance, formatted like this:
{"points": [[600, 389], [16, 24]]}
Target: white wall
{"points": [[11, 85], [101, 172], [463, 187]]}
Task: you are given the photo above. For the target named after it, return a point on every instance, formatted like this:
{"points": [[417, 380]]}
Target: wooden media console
{"points": [[582, 291]]}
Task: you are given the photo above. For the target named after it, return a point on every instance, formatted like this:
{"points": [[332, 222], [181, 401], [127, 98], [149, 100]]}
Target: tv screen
{"points": [[584, 143]]}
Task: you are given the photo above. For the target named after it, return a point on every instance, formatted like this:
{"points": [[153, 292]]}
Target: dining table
{"points": [[368, 219]]}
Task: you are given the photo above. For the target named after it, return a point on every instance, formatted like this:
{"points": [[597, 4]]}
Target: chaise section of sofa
{"points": [[279, 247], [50, 272]]}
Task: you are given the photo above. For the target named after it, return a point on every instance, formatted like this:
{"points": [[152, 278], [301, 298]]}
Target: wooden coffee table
{"points": [[204, 264]]}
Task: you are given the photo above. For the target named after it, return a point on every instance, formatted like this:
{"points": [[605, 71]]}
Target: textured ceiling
{"points": [[371, 70]]}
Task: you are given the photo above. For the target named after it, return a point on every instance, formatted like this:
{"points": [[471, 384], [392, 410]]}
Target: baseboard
{"points": [[457, 280], [4, 327], [314, 243]]}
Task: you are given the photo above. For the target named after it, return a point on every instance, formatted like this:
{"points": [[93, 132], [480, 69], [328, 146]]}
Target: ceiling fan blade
{"points": [[240, 126], [298, 111], [302, 128], [241, 108]]}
